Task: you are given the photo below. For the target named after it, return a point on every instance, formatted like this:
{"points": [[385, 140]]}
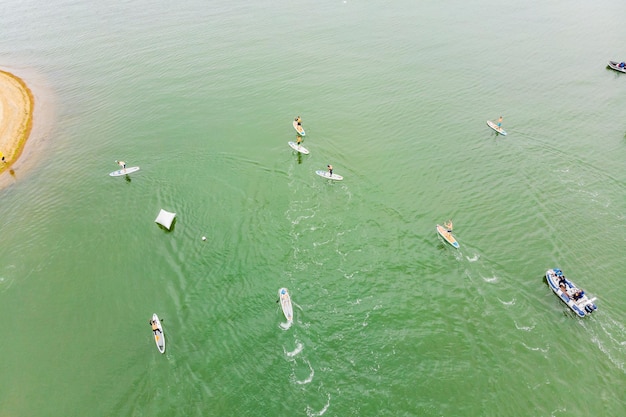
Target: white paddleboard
{"points": [[298, 148], [299, 129], [326, 174], [159, 336], [495, 127], [447, 236], [285, 303], [124, 171]]}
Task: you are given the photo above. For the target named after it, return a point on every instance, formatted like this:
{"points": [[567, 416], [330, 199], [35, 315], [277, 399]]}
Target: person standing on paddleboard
{"points": [[448, 226], [122, 164], [155, 327], [298, 140], [330, 169], [500, 123]]}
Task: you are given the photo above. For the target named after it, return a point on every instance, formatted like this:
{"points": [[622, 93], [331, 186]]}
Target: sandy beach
{"points": [[16, 117]]}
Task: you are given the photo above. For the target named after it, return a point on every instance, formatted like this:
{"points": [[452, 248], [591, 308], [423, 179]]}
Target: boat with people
{"points": [[569, 293], [618, 66]]}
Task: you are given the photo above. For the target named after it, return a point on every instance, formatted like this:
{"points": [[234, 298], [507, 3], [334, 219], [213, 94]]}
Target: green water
{"points": [[389, 321]]}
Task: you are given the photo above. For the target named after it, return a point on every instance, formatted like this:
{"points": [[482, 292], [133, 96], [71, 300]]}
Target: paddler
{"points": [[155, 326]]}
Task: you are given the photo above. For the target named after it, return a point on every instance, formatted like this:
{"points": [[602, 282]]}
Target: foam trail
{"points": [[309, 378], [298, 349], [490, 279], [526, 328], [311, 413], [507, 303], [535, 349]]}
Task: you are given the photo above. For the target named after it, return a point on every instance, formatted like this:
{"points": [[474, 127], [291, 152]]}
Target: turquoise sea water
{"points": [[389, 321]]}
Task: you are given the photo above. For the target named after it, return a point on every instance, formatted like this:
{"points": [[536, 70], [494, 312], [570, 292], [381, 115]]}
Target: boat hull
{"points": [[583, 306], [615, 66]]}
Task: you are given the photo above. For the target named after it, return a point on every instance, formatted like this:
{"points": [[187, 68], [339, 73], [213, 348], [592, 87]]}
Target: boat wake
{"points": [[535, 349], [308, 379], [298, 349], [311, 413], [507, 303], [301, 216], [473, 258], [611, 340], [285, 326], [525, 328], [490, 279]]}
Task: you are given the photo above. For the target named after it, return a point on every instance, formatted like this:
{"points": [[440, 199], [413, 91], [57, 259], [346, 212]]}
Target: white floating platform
{"points": [[165, 218]]}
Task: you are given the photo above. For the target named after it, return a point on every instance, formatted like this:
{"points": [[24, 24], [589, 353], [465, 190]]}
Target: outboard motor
{"points": [[588, 308]]}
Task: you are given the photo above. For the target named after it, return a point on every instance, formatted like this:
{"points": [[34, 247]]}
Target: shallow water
{"points": [[389, 320]]}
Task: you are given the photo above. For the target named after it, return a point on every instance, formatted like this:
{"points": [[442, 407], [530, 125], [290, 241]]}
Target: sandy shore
{"points": [[16, 117]]}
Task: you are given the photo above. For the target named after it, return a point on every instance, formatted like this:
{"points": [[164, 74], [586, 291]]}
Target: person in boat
{"points": [[155, 326], [122, 164], [330, 169], [578, 295], [622, 64], [499, 122], [448, 226]]}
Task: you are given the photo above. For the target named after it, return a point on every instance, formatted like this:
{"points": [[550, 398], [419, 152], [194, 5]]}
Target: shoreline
{"points": [[36, 123], [17, 105]]}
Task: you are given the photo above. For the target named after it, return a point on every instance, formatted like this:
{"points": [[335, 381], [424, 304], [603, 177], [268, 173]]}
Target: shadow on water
{"points": [[299, 157], [615, 72], [127, 178], [171, 229]]}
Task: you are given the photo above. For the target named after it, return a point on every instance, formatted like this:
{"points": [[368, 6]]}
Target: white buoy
{"points": [[203, 238]]}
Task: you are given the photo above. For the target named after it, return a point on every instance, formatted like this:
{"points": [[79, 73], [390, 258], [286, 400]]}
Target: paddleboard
{"points": [[298, 148], [124, 171], [495, 127], [285, 303], [447, 236], [299, 129], [326, 174], [159, 337]]}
